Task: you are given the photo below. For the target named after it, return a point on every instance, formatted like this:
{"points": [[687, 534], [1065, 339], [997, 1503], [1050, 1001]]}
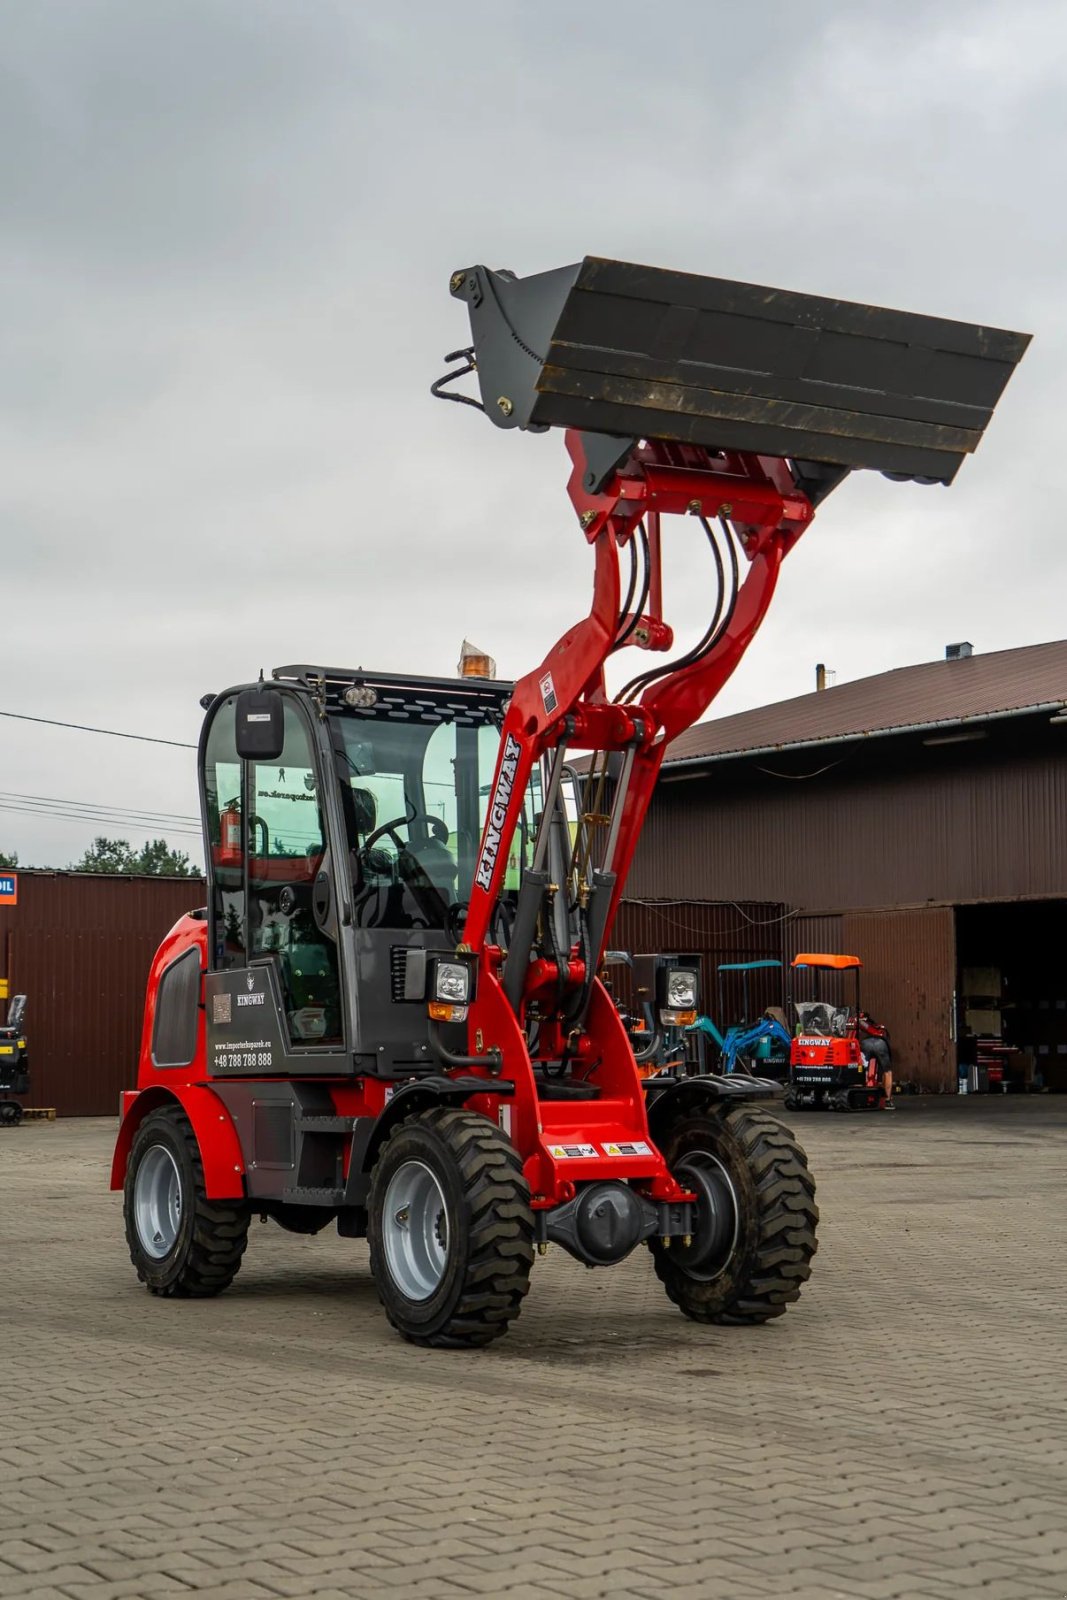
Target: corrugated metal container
{"points": [[79, 947], [941, 827], [717, 932]]}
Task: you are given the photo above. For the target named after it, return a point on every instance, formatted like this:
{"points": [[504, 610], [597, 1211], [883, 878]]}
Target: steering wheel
{"points": [[436, 827], [431, 903]]}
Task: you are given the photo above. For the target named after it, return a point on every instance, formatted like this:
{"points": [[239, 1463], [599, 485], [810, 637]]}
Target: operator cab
{"points": [[343, 817]]}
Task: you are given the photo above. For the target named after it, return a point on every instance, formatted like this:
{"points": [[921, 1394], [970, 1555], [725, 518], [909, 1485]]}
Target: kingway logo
{"points": [[498, 814], [251, 998]]}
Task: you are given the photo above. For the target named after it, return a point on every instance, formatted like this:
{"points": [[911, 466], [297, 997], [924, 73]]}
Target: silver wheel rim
{"points": [[718, 1216], [157, 1202], [415, 1230]]}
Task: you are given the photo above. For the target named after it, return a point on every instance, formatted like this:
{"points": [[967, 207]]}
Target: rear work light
{"points": [[639, 352]]}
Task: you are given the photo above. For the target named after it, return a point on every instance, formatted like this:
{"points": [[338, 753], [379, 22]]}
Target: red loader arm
{"points": [[681, 395], [563, 705]]}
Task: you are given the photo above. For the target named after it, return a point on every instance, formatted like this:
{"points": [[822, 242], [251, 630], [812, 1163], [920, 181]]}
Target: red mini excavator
{"points": [[831, 1065], [388, 1017]]}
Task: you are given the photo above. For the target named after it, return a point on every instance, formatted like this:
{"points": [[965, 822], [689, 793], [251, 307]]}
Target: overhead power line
{"points": [[43, 813], [111, 733], [135, 812], [99, 813]]}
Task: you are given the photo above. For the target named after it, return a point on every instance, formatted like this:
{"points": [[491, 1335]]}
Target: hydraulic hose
{"points": [[646, 582], [718, 625], [575, 1010], [492, 1058], [438, 389], [631, 589]]}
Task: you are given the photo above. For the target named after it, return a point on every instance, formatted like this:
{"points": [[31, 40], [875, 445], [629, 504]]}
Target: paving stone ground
{"points": [[902, 1431]]}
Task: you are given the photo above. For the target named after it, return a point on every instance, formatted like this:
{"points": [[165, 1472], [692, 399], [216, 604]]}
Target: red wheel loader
{"points": [[388, 1017]]}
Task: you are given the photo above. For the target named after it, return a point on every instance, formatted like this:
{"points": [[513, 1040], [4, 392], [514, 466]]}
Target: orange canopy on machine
{"points": [[838, 963]]}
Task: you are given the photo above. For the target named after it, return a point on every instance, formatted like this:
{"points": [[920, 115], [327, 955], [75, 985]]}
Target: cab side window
{"points": [[222, 785]]}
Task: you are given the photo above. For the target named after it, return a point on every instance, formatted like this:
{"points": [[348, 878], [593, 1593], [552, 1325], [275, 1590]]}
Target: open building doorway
{"points": [[1012, 994]]}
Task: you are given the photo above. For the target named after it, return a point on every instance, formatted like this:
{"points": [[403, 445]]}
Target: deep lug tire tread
{"points": [[778, 1228], [496, 1274], [212, 1245]]}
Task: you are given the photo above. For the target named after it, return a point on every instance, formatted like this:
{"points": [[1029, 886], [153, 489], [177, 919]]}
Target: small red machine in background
{"points": [[833, 1063]]}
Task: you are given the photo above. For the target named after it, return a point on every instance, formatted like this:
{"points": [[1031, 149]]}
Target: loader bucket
{"points": [[638, 352]]}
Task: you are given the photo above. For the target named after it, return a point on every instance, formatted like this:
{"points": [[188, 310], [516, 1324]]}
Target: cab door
{"points": [[274, 995]]}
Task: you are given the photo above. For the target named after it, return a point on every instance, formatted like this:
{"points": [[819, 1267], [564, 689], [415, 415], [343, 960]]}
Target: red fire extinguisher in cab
{"points": [[229, 852]]}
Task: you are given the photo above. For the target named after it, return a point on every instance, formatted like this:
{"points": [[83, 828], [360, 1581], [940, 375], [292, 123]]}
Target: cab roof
{"points": [[399, 697]]}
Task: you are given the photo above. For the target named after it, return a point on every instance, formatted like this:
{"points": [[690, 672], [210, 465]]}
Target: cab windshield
{"points": [[416, 798]]}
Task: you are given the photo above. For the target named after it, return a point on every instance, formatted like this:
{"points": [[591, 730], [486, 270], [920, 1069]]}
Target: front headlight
{"points": [[452, 983], [681, 989]]}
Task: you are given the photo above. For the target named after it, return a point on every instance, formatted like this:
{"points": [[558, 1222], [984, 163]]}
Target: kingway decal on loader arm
{"points": [[498, 813]]}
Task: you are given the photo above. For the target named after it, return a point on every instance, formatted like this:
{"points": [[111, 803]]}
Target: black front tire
{"points": [[209, 1235], [10, 1113], [484, 1229], [761, 1252]]}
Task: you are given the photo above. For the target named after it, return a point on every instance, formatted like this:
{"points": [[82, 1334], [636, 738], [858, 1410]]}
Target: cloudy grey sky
{"points": [[226, 232]]}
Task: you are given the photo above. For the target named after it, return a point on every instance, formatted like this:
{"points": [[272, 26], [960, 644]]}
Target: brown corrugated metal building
{"points": [[915, 819], [79, 946]]}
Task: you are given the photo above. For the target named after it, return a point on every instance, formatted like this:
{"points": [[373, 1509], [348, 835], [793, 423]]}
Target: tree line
{"points": [[155, 859]]}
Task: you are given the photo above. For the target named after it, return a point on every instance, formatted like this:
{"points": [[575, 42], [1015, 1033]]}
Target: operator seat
{"points": [[437, 861], [379, 900], [366, 810], [815, 1017], [377, 862]]}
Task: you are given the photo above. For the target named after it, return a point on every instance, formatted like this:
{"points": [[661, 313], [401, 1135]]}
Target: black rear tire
{"points": [[482, 1227], [209, 1235], [10, 1113], [761, 1259]]}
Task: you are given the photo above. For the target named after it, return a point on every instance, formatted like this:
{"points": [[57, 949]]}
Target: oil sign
{"points": [[9, 888]]}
